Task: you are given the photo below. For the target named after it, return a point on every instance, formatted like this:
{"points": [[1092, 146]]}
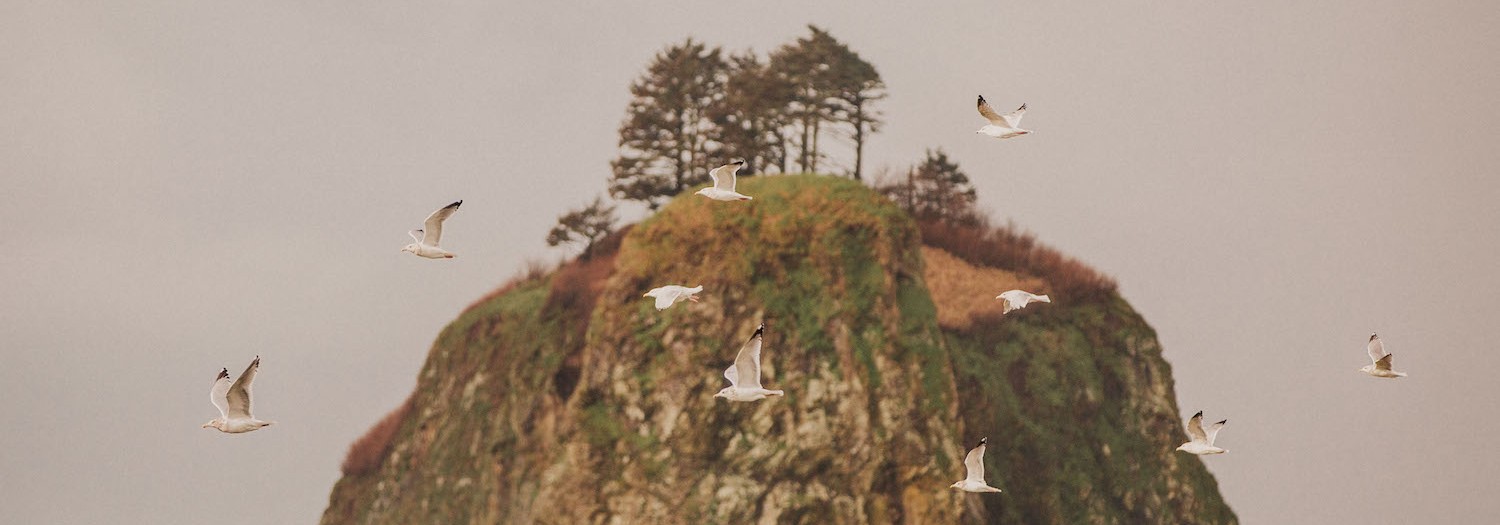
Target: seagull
{"points": [[974, 467], [428, 237], [1018, 299], [1382, 365], [744, 374], [724, 183], [1203, 442], [671, 294], [1001, 126], [233, 401]]}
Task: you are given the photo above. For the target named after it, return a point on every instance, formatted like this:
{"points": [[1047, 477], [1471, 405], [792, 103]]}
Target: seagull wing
{"points": [[216, 395], [1376, 349], [974, 462], [1195, 428], [1014, 299], [434, 223], [1213, 430], [239, 393], [665, 299], [724, 176], [989, 113], [747, 363], [1013, 119], [416, 235], [1384, 363], [732, 375]]}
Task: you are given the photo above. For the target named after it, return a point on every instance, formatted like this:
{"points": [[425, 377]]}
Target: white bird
{"points": [[671, 294], [1018, 299], [1001, 126], [1382, 361], [1202, 443], [724, 183], [974, 467], [233, 402], [744, 374], [432, 231]]}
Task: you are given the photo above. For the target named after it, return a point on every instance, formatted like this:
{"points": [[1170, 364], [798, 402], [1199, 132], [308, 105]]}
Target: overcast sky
{"points": [[188, 185]]}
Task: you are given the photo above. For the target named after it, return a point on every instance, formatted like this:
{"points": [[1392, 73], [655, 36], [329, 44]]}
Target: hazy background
{"points": [[187, 186]]}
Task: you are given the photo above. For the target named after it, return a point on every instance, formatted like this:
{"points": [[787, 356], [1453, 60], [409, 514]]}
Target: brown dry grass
{"points": [[1008, 248], [952, 283], [576, 287], [368, 452], [576, 284]]}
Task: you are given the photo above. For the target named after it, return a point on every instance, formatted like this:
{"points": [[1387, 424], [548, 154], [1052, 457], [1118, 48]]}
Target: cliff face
{"points": [[568, 399]]}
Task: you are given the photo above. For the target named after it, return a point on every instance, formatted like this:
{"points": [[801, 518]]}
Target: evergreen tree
{"points": [[665, 140], [856, 87], [806, 65], [584, 226], [751, 119], [830, 84], [935, 190]]}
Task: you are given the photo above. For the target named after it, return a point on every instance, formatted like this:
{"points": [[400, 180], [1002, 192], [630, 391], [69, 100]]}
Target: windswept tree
{"points": [[935, 190], [751, 119], [666, 136], [856, 87], [584, 227], [831, 84], [805, 65]]}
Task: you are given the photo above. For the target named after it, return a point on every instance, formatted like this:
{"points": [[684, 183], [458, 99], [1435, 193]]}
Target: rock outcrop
{"points": [[567, 398]]}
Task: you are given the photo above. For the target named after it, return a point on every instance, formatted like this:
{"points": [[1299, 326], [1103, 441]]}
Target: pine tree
{"points": [[584, 226], [936, 189], [831, 84], [665, 140], [751, 119], [856, 87], [805, 65]]}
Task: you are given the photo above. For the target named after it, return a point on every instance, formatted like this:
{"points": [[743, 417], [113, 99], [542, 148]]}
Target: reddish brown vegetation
{"points": [[1007, 248], [951, 282], [368, 452], [576, 284]]}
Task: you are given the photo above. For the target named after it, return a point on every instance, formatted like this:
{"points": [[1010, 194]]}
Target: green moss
{"points": [[1059, 385]]}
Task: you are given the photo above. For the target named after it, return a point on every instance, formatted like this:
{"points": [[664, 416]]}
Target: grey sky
{"points": [[189, 185]]}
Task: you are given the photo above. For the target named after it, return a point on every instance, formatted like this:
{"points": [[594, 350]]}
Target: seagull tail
{"points": [[1044, 298], [776, 393]]}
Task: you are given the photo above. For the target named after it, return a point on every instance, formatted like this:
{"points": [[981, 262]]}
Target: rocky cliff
{"points": [[567, 398]]}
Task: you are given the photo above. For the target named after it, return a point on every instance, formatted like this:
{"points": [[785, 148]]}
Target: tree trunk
{"points": [[679, 171], [813, 158], [781, 163], [859, 139], [802, 148]]}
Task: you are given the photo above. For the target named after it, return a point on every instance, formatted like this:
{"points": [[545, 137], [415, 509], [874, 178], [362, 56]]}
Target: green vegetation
{"points": [[696, 107], [1076, 432]]}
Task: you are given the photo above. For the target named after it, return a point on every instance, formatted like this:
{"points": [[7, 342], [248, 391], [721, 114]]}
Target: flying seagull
{"points": [[671, 294], [744, 374], [1382, 361], [1018, 299], [1001, 126], [1202, 442], [724, 183], [432, 231], [974, 467], [233, 401]]}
